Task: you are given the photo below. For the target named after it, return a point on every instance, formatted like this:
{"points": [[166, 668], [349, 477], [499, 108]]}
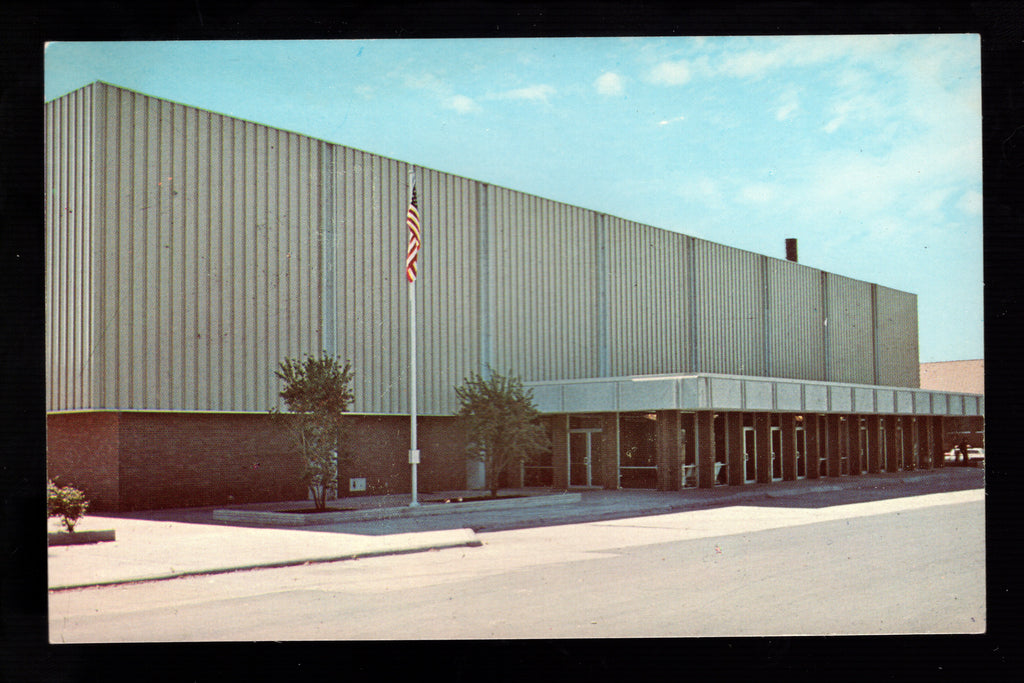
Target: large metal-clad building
{"points": [[189, 252]]}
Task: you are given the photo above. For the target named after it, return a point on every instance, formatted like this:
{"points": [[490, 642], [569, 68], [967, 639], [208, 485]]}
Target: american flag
{"points": [[412, 221]]}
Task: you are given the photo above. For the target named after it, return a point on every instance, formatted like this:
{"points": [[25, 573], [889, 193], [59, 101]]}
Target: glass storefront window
{"points": [[638, 459]]}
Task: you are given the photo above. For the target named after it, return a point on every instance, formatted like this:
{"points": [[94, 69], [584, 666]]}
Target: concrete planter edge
{"points": [[370, 514], [79, 537]]}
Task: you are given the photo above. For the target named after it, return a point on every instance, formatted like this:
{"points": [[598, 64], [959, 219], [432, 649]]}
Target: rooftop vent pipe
{"points": [[791, 249]]}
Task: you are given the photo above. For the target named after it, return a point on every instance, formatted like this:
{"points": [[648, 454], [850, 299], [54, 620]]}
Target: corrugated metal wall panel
{"points": [[542, 287], [71, 327], [795, 319], [369, 281], [201, 301], [896, 338], [208, 237], [448, 307], [851, 350], [648, 280], [729, 296]]}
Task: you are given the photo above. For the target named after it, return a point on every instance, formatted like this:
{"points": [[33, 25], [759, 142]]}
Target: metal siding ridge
{"points": [[483, 274], [826, 337], [326, 232], [874, 334], [690, 314], [766, 309], [66, 256], [149, 352], [194, 342], [601, 275]]}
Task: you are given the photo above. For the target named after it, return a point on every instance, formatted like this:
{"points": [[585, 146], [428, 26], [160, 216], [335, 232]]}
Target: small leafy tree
{"points": [[66, 502], [501, 421], [317, 393]]}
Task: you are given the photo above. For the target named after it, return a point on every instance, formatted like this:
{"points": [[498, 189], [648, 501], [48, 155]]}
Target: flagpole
{"points": [[414, 453]]}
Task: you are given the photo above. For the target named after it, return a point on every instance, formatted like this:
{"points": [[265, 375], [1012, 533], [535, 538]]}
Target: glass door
{"points": [[864, 447], [581, 444], [801, 453], [776, 453], [749, 455], [689, 466], [884, 443]]}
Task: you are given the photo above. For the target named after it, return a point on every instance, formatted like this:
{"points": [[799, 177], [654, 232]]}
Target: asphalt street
{"points": [[900, 565]]}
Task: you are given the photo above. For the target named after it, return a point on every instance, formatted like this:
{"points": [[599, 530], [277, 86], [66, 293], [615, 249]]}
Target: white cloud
{"points": [[462, 104], [859, 107], [786, 111], [778, 53], [751, 63], [702, 190], [671, 73], [532, 92], [427, 81], [971, 202], [834, 124], [886, 229], [757, 193], [673, 120], [928, 204], [609, 83]]}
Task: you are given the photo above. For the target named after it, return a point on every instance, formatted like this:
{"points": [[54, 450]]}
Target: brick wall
{"points": [[380, 453], [81, 451], [156, 460], [195, 459]]}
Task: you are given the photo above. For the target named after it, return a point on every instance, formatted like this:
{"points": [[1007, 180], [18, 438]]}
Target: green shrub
{"points": [[318, 393], [501, 421], [68, 503]]}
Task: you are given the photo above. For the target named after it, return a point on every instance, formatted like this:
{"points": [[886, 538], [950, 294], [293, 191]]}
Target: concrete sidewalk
{"points": [[166, 544]]}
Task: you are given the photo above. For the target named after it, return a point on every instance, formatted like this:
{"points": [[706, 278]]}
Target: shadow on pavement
{"points": [[608, 505], [886, 491]]}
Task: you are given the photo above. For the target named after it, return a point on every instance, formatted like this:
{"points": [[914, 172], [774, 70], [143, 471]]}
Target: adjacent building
{"points": [[959, 376], [189, 252]]}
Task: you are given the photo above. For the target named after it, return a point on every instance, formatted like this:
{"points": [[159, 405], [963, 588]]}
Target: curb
{"points": [[467, 538], [371, 514], [79, 537]]}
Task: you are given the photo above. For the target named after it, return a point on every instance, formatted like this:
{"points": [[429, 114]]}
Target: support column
{"points": [[812, 437], [788, 423], [892, 444], [560, 451], [845, 450], [763, 438], [939, 454], [925, 422], [928, 450], [688, 447], [854, 442], [834, 444], [607, 466], [667, 446], [874, 445], [705, 449], [908, 427], [734, 446]]}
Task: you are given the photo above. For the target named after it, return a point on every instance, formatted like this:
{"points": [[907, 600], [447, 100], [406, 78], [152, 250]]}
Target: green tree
{"points": [[317, 393], [501, 421]]}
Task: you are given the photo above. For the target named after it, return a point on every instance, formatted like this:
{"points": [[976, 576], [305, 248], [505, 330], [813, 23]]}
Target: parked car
{"points": [[953, 455]]}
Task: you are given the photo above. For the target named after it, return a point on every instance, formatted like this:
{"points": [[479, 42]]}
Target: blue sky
{"points": [[867, 149]]}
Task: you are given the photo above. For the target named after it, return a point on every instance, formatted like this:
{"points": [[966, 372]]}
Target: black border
{"points": [[25, 26]]}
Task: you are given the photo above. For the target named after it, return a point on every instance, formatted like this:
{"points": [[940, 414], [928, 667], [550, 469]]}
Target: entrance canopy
{"points": [[704, 391]]}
